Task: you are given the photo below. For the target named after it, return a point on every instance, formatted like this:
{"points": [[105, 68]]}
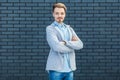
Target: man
{"points": [[62, 41]]}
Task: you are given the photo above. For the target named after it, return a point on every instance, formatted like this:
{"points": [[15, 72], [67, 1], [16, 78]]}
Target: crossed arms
{"points": [[62, 46]]}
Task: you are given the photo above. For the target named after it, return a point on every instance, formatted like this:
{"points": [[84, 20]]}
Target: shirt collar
{"points": [[60, 25]]}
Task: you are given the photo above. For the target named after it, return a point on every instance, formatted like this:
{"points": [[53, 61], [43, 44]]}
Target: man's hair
{"points": [[59, 5]]}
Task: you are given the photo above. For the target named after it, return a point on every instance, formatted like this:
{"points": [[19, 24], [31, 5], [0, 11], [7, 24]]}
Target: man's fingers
{"points": [[74, 38]]}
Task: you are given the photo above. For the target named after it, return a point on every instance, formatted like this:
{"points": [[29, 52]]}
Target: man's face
{"points": [[59, 14]]}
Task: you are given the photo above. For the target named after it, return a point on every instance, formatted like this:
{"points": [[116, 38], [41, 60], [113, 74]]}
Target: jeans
{"points": [[53, 75]]}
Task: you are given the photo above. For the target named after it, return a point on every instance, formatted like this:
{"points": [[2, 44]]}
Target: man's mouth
{"points": [[59, 18]]}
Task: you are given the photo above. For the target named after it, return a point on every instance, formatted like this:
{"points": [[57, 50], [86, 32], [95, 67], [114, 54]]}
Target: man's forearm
{"points": [[75, 43]]}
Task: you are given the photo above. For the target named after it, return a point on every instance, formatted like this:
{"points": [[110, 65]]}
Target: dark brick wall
{"points": [[24, 50]]}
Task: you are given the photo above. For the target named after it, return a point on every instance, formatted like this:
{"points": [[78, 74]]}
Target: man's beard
{"points": [[60, 19]]}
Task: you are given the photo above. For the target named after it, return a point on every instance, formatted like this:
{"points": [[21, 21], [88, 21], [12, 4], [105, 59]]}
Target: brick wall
{"points": [[24, 50]]}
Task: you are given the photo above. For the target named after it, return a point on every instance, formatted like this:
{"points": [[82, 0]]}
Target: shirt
{"points": [[65, 33]]}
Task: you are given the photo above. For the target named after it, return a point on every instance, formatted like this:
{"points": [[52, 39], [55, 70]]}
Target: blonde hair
{"points": [[59, 5]]}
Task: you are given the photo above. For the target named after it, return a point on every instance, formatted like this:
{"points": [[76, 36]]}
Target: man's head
{"points": [[59, 12]]}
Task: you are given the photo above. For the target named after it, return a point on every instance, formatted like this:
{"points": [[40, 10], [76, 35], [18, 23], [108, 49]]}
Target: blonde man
{"points": [[62, 40]]}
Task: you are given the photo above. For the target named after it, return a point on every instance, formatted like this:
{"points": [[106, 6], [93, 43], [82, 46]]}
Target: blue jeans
{"points": [[53, 75]]}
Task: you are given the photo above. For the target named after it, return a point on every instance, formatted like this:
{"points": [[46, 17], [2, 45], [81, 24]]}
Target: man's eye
{"points": [[57, 13], [62, 13]]}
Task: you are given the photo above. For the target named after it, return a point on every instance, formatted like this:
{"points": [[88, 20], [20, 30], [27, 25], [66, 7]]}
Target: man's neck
{"points": [[59, 22]]}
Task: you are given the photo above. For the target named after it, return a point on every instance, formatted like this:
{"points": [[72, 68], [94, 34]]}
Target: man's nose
{"points": [[59, 15]]}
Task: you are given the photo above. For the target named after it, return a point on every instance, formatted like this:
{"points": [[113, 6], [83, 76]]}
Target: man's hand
{"points": [[74, 38], [63, 42]]}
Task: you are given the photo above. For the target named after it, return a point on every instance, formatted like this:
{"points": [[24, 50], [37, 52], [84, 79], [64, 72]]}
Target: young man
{"points": [[62, 41]]}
